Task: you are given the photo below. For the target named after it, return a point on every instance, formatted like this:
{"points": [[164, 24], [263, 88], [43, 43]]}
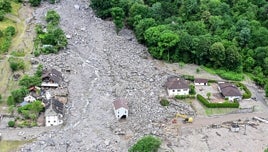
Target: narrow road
{"points": [[202, 122]]}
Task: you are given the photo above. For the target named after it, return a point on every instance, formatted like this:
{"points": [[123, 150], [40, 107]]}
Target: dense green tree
{"points": [[19, 94], [217, 54], [142, 26], [118, 18], [5, 6], [135, 10], [160, 40], [10, 31], [29, 81], [233, 59], [146, 144], [102, 7], [195, 27]]}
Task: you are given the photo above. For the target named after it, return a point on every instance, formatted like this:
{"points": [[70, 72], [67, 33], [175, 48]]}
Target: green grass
{"points": [[8, 146], [19, 53], [218, 111], [6, 22], [228, 75], [15, 8]]}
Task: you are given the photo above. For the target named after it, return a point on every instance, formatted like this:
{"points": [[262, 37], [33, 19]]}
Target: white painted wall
{"points": [[29, 98], [53, 120], [120, 112], [199, 83], [231, 98], [174, 92]]}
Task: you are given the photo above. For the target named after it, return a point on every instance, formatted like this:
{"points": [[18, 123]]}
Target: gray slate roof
{"points": [[176, 83], [228, 89]]}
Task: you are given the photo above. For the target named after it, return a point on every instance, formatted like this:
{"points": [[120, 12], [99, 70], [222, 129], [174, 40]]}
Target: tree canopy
{"points": [[224, 34]]}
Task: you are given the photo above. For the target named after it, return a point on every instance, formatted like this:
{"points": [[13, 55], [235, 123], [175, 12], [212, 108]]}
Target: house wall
{"points": [[120, 112], [200, 83], [231, 98], [53, 120], [174, 92]]}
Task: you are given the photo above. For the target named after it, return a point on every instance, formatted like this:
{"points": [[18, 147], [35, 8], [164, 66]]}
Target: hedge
{"points": [[188, 77], [247, 93], [180, 97], [205, 102]]}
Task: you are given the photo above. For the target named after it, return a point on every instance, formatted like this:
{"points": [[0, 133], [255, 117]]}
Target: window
{"points": [[54, 120], [48, 121], [173, 90]]}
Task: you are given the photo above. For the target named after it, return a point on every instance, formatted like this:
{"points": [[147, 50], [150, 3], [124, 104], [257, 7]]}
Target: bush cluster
{"points": [[51, 40], [247, 93], [205, 102], [11, 123], [146, 144], [164, 102], [16, 64], [188, 77]]}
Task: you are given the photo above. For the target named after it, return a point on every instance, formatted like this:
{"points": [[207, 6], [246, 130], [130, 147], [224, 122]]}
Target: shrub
{"points": [[188, 77], [16, 64], [29, 81], [192, 90], [35, 2], [11, 123], [1, 34], [10, 101], [2, 15], [164, 102], [10, 31], [19, 53], [247, 93], [146, 144], [227, 104], [19, 94], [52, 17], [5, 44], [0, 98]]}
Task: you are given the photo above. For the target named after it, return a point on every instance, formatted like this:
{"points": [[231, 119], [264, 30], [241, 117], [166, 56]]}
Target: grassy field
{"points": [[218, 111], [15, 8], [10, 146]]}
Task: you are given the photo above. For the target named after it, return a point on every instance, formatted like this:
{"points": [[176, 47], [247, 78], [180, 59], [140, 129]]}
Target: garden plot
{"points": [[212, 89]]}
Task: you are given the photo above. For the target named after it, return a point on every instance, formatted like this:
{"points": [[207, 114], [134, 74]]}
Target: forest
{"points": [[230, 35]]}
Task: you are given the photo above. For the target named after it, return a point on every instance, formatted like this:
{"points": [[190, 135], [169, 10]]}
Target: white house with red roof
{"points": [[177, 86], [120, 108]]}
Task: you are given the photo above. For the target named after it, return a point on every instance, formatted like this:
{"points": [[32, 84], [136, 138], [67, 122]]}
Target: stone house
{"points": [[51, 78], [120, 108], [54, 113], [177, 86]]}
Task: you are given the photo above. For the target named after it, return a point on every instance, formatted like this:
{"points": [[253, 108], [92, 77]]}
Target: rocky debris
{"points": [[104, 66]]}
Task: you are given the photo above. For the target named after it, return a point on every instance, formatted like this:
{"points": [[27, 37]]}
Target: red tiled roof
{"points": [[119, 103]]}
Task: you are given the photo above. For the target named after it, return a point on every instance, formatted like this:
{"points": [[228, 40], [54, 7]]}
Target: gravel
{"points": [[104, 66]]}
